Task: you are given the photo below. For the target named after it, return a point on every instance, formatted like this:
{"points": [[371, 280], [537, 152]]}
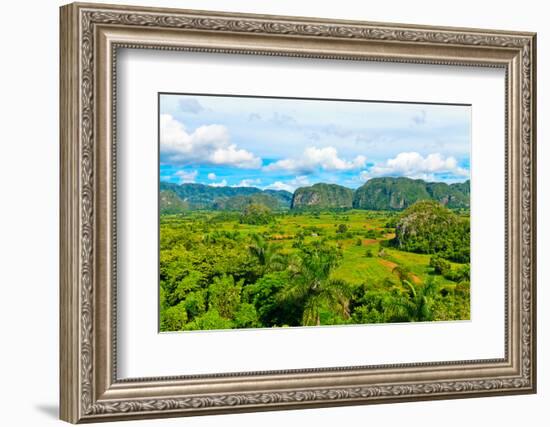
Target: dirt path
{"points": [[391, 265], [367, 242]]}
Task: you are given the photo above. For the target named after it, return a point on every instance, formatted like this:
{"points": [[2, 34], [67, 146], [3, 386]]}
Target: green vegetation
{"points": [[399, 193], [430, 228], [256, 214], [376, 194], [170, 203], [322, 196], [200, 197], [452, 196], [260, 266]]}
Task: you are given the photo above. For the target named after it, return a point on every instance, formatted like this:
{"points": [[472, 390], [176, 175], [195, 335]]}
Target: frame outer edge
{"points": [[69, 355], [77, 339], [533, 207]]}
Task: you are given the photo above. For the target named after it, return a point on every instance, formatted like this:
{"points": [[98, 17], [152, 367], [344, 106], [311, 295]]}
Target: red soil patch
{"points": [[391, 265], [281, 237], [388, 264], [369, 241]]}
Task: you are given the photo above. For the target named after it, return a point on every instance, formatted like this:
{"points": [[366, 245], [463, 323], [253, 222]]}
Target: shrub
{"points": [[209, 320], [460, 274], [342, 228], [271, 310], [246, 316], [440, 266], [256, 214], [224, 295], [173, 318], [195, 303]]}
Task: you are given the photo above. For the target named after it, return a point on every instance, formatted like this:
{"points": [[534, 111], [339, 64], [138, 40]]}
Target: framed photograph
{"points": [[266, 212]]}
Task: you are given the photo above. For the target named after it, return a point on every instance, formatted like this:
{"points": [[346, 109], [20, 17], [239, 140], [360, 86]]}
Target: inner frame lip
{"points": [[329, 371]]}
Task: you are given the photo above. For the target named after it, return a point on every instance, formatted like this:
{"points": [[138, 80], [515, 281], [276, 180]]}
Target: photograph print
{"points": [[286, 212]]}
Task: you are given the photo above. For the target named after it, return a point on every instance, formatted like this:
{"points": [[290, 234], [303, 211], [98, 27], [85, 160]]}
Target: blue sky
{"points": [[287, 143]]}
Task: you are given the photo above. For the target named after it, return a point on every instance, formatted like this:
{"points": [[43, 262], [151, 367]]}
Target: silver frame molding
{"points": [[90, 37]]}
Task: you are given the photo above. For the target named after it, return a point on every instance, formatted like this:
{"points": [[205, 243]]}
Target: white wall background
{"points": [[29, 170]]}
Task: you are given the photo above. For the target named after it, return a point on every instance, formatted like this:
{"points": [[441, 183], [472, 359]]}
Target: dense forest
{"points": [[394, 250], [376, 194]]}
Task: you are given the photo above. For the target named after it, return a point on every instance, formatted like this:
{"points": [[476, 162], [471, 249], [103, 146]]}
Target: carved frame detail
{"points": [[81, 398]]}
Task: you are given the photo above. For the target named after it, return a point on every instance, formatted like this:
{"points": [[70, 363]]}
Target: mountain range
{"points": [[200, 196], [385, 193]]}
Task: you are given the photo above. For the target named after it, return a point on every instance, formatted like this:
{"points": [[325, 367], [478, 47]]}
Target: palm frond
{"points": [[410, 288]]}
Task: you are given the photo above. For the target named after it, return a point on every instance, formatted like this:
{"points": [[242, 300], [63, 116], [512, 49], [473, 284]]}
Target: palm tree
{"points": [[266, 253], [310, 284], [425, 299], [421, 300], [402, 272], [410, 302]]}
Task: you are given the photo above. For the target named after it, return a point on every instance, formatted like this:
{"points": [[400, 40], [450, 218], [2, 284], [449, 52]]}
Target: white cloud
{"points": [[414, 165], [293, 184], [230, 155], [222, 183], [186, 176], [249, 182], [313, 158], [300, 181], [279, 185], [211, 176], [208, 144]]}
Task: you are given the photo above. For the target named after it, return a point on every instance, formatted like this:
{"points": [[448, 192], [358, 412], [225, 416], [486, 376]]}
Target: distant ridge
{"points": [[322, 196], [200, 196], [399, 193], [385, 193]]}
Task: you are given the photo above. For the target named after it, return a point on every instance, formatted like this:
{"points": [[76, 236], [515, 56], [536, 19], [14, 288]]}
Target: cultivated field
{"points": [[220, 271]]}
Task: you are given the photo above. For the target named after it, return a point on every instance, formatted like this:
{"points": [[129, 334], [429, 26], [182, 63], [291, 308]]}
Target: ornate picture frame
{"points": [[90, 37]]}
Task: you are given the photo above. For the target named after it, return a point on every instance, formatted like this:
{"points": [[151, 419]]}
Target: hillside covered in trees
{"points": [[249, 258], [376, 194], [322, 196], [207, 197]]}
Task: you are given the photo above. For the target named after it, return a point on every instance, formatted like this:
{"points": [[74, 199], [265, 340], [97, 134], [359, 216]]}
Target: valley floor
{"points": [[207, 255]]}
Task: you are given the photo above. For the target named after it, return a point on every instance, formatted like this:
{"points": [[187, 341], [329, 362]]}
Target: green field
{"points": [[218, 271]]}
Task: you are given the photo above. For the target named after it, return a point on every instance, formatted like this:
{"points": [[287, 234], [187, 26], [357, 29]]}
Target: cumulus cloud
{"points": [[249, 182], [280, 185], [414, 165], [190, 105], [317, 158], [291, 185], [222, 183], [208, 144], [186, 176], [211, 176]]}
